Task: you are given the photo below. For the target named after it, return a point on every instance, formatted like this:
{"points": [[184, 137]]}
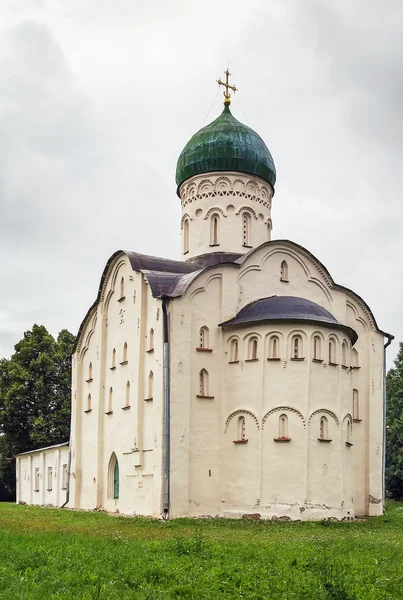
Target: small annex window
{"points": [[204, 338], [332, 351], [324, 430], [274, 348], [186, 236], [50, 479], [151, 340], [37, 476], [64, 477], [317, 348], [344, 353], [246, 230], [241, 430], [296, 348], [284, 271], [214, 224], [204, 384], [355, 359], [113, 478], [356, 406], [234, 351]]}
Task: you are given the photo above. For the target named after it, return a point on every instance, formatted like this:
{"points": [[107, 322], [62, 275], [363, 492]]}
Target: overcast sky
{"points": [[98, 98]]}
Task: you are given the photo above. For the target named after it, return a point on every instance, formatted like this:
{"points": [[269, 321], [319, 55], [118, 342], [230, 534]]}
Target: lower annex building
{"points": [[240, 379]]}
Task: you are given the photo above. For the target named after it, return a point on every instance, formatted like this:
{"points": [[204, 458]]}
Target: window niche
{"points": [[297, 348], [241, 431], [113, 478], [204, 340], [122, 290], [317, 349], [282, 429], [127, 397], [234, 351], [37, 477], [344, 355], [89, 373], [186, 236], [284, 271], [349, 433], [246, 230], [332, 352], [274, 348], [214, 224], [204, 391], [150, 348], [252, 349], [50, 480], [89, 404], [124, 355], [150, 389], [356, 407], [110, 402], [324, 430], [113, 365]]}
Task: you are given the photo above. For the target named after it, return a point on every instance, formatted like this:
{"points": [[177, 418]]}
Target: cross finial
{"points": [[227, 86]]}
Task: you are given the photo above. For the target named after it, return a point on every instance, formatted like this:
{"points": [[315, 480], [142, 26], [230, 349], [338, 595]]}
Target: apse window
{"points": [[317, 349], [282, 429], [241, 431], [252, 349], [296, 348], [324, 430], [332, 352], [234, 351], [274, 348]]}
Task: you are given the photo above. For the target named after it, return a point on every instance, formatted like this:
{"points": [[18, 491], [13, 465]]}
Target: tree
{"points": [[35, 397], [394, 428]]}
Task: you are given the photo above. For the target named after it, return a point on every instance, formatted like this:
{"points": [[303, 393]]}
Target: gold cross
{"points": [[227, 86]]}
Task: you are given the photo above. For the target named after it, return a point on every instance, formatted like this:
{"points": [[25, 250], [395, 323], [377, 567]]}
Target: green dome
{"points": [[226, 145]]}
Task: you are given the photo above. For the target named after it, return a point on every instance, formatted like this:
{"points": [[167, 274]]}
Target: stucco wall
{"points": [[43, 488]]}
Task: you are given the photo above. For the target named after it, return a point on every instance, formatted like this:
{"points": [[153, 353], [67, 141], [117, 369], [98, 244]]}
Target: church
{"points": [[238, 380]]}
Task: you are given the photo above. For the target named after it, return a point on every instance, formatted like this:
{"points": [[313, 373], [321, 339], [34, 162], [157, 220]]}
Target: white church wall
{"points": [[123, 419], [42, 476]]}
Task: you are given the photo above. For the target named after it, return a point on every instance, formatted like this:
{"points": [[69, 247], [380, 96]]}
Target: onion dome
{"points": [[288, 308], [226, 145]]}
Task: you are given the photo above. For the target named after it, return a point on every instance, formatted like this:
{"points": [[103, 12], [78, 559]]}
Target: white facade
{"points": [[42, 476], [281, 416]]}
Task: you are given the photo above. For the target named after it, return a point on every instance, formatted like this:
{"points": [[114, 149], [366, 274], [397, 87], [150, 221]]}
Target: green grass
{"points": [[59, 554]]}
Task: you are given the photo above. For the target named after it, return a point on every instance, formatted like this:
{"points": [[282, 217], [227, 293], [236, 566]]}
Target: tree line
{"points": [[35, 403]]}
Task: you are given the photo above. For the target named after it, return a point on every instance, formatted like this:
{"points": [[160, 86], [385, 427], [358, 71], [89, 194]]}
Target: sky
{"points": [[98, 98]]}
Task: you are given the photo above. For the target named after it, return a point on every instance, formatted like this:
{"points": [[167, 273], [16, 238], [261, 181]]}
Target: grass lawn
{"points": [[51, 553]]}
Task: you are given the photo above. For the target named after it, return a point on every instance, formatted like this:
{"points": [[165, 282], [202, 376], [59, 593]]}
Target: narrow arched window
{"points": [[234, 351], [344, 354], [127, 394], [274, 347], [124, 356], [284, 271], [151, 340], [246, 229], [203, 383], [90, 371], [185, 236], [150, 385], [113, 358], [214, 230], [349, 436], [113, 478], [241, 429], [89, 407], [356, 405], [122, 288], [355, 359], [296, 347], [283, 427], [269, 231], [203, 337], [252, 348], [317, 350], [332, 351], [324, 431], [110, 400]]}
